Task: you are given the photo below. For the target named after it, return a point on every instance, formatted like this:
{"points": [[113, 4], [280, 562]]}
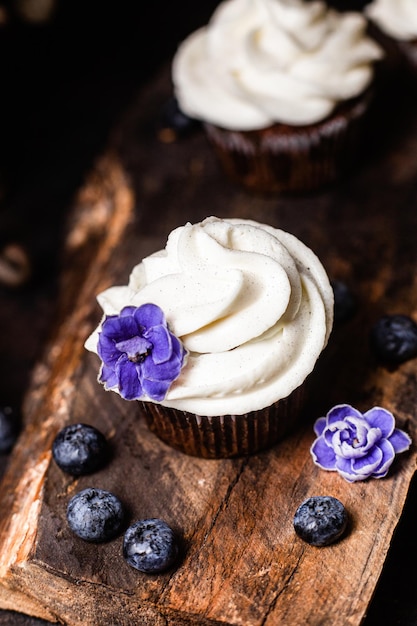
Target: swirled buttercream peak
{"points": [[251, 304]]}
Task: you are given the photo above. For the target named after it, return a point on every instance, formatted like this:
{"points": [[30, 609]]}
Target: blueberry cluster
{"points": [[150, 545], [96, 515]]}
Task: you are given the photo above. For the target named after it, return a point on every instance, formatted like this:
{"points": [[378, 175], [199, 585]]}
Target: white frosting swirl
{"points": [[397, 18], [251, 303], [259, 62]]}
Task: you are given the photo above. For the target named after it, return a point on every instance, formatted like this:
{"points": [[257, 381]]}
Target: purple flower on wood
{"points": [[357, 446], [141, 357]]}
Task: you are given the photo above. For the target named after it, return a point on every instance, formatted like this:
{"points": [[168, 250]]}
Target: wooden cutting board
{"points": [[241, 562]]}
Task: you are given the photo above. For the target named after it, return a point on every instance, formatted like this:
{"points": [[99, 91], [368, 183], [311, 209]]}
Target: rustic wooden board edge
{"points": [[63, 605], [102, 211]]}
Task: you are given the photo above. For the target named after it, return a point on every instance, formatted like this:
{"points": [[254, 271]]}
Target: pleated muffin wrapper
{"points": [[226, 436], [288, 159]]}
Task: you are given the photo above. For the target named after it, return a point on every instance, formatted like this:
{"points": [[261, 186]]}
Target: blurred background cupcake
{"points": [[282, 87], [394, 25]]}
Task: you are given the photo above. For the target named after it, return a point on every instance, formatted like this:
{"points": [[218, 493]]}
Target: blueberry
{"points": [[320, 520], [173, 122], [344, 302], [9, 428], [150, 546], [393, 339], [95, 515], [79, 449]]}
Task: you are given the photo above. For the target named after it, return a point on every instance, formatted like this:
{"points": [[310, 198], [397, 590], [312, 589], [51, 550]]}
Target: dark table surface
{"points": [[66, 81]]}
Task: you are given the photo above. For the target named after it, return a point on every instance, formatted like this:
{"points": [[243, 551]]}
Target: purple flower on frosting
{"points": [[356, 445], [141, 357]]}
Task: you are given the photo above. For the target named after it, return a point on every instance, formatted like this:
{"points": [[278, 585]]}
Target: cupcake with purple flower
{"points": [[216, 335]]}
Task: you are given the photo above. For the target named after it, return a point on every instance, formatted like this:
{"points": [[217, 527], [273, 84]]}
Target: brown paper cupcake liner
{"points": [[225, 436], [285, 158]]}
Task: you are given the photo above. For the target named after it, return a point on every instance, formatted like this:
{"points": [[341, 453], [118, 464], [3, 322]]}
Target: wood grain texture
{"points": [[241, 563]]}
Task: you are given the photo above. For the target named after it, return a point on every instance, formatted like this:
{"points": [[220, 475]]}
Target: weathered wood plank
{"points": [[241, 561]]}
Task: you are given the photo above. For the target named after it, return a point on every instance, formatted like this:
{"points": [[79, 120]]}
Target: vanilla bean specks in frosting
{"points": [[259, 62], [251, 304]]}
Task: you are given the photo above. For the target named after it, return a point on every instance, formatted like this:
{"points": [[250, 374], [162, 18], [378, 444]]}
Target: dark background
{"points": [[65, 80]]}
